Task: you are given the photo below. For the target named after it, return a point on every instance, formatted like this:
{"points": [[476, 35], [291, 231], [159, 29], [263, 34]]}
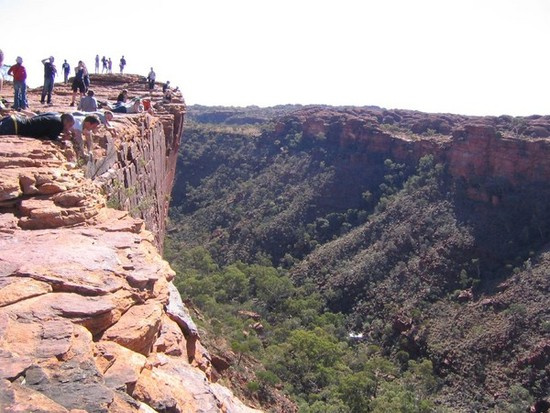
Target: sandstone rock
{"points": [[9, 185], [137, 328], [228, 401], [465, 295], [171, 340], [16, 289], [176, 386], [17, 398], [120, 366], [250, 314], [179, 313], [73, 384], [8, 224]]}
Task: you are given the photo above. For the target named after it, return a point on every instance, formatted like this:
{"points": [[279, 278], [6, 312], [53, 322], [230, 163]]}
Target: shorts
{"points": [[79, 85]]}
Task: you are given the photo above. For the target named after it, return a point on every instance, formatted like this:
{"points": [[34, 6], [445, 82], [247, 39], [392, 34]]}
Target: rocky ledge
{"points": [[89, 318]]}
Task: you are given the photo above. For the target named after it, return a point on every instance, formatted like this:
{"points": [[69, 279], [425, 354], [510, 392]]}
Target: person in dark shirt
{"points": [[47, 126], [78, 82], [50, 72], [122, 96], [66, 71]]}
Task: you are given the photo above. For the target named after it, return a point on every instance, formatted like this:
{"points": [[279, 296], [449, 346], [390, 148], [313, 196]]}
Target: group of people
{"points": [[107, 64], [55, 126], [80, 84], [78, 125]]}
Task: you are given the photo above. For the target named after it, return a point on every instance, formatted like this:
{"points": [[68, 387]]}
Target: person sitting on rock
{"points": [[47, 126], [88, 103], [122, 96], [168, 95]]}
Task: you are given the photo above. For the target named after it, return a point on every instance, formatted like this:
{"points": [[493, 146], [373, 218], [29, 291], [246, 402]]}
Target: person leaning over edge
{"points": [[46, 126], [84, 128]]}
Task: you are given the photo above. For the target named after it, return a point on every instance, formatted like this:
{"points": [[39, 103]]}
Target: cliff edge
{"points": [[89, 318]]}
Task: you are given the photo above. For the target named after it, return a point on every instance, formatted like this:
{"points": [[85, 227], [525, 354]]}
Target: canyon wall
{"points": [[482, 153], [89, 318]]}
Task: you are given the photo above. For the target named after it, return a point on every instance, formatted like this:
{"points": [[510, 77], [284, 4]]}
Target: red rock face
{"points": [[476, 150], [89, 319]]}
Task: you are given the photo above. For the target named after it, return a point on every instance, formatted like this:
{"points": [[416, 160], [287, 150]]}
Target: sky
{"points": [[472, 57]]}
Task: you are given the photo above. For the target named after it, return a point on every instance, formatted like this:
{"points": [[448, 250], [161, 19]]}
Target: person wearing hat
{"points": [[49, 76], [19, 84]]}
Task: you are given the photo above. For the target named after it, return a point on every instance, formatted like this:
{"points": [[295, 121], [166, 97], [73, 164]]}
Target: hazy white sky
{"points": [[476, 57]]}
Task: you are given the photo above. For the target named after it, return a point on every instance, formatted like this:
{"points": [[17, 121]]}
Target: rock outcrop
{"points": [[89, 318], [484, 154]]}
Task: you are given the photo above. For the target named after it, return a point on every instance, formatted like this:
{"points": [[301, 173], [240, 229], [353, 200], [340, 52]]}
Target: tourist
{"points": [[88, 103], [50, 72], [49, 126], [104, 65], [78, 81], [19, 84], [83, 129], [105, 118], [66, 67], [122, 64], [151, 79], [122, 96]]}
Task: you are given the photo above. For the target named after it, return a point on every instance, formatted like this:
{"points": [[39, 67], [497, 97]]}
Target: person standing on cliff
{"points": [[66, 70], [104, 65], [19, 74], [78, 81], [96, 67], [110, 63], [151, 79], [49, 77], [122, 64]]}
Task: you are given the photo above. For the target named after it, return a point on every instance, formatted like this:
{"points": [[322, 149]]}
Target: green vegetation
{"points": [[301, 344], [289, 241]]}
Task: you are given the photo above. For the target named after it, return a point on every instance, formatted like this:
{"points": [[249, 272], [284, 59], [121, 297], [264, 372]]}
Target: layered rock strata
{"points": [[483, 154], [89, 318]]}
